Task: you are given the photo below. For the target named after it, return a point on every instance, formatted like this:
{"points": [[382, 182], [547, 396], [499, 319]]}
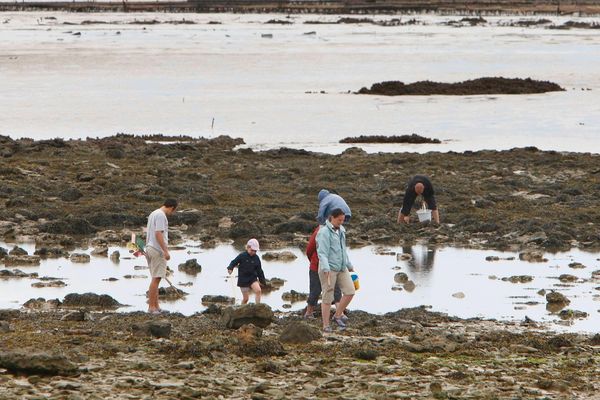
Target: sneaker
{"points": [[344, 318], [339, 321], [327, 329]]}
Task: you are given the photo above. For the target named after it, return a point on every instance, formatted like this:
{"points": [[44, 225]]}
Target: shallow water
{"points": [[227, 79], [438, 274]]}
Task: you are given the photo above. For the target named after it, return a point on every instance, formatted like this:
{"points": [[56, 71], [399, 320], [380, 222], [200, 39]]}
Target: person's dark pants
{"points": [[315, 289]]}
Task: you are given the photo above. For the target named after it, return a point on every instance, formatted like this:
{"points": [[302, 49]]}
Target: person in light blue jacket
{"points": [[334, 266], [329, 202]]}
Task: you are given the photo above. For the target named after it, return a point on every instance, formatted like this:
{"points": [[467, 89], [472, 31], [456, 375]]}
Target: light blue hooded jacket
{"points": [[331, 249], [329, 202]]}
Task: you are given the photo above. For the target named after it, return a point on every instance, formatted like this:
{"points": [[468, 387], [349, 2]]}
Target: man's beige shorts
{"points": [[343, 280], [156, 263]]}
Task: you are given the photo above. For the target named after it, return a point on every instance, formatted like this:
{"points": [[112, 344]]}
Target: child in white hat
{"points": [[250, 273]]}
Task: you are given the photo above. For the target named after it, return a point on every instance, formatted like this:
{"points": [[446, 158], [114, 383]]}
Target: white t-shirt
{"points": [[157, 222]]}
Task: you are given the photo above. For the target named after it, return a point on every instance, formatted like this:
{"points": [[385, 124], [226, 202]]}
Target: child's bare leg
{"points": [[257, 292], [245, 296]]}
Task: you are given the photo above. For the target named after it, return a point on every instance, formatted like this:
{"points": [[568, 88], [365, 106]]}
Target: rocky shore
{"points": [[251, 353], [497, 85], [61, 194]]}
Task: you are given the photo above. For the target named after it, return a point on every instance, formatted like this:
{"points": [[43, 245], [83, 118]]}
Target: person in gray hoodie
{"points": [[334, 267], [329, 202]]}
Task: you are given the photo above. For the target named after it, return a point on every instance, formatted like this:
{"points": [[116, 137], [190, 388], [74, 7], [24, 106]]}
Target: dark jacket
{"points": [[311, 250], [410, 195], [249, 269]]}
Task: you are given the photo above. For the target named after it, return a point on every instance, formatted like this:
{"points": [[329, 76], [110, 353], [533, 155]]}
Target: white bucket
{"points": [[424, 215]]}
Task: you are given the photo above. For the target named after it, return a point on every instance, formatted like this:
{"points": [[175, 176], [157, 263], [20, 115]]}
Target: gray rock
{"points": [[21, 260], [190, 267], [260, 315], [90, 300], [6, 315], [17, 251], [78, 316], [400, 277], [299, 332], [37, 363], [4, 327], [115, 256], [519, 279], [208, 299], [101, 251], [80, 258], [532, 256], [577, 265], [409, 286], [567, 278], [52, 283], [459, 295], [160, 328], [293, 296], [51, 252], [557, 298], [279, 256], [3, 252], [41, 304], [572, 314]]}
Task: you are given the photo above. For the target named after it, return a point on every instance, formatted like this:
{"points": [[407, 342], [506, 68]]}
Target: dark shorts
{"points": [[315, 289]]}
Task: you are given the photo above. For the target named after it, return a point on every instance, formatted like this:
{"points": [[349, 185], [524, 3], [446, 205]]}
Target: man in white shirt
{"points": [[157, 252]]}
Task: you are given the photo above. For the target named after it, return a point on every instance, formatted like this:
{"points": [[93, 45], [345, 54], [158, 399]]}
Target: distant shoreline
{"points": [[442, 7]]}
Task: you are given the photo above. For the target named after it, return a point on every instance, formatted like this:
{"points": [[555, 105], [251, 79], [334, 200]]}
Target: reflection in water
{"points": [[422, 260]]}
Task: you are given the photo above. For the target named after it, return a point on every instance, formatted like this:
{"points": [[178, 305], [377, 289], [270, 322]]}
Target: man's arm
{"points": [[323, 249], [160, 239]]}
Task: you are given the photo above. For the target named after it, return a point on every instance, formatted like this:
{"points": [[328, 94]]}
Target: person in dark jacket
{"points": [[313, 277], [250, 273], [419, 185]]}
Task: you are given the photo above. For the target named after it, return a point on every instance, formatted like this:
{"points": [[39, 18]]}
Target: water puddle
{"points": [[460, 282]]}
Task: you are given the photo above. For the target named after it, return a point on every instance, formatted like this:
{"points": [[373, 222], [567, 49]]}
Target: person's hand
{"points": [[229, 271], [403, 219], [167, 255]]}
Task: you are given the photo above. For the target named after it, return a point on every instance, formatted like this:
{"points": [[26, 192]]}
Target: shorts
{"points": [[342, 278], [315, 289], [156, 263]]}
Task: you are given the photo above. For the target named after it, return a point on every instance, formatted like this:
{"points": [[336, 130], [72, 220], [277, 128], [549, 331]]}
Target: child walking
{"points": [[250, 273]]}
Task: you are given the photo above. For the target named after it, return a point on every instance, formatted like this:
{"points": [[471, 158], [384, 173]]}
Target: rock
{"points": [[557, 298], [90, 300], [260, 315], [403, 257], [66, 385], [522, 349], [577, 265], [111, 279], [190, 267], [80, 258], [293, 296], [18, 251], [208, 299], [3, 253], [567, 278], [409, 286], [400, 277], [169, 293], [367, 353], [21, 261], [16, 273], [459, 295], [80, 315], [532, 256], [51, 252], [4, 327], [41, 304], [541, 292], [29, 363], [129, 276], [279, 256], [299, 332], [225, 223], [53, 283], [572, 314], [492, 258], [160, 329], [435, 388], [248, 334], [71, 194], [6, 315], [596, 274], [115, 256], [519, 279], [272, 284], [101, 251]]}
